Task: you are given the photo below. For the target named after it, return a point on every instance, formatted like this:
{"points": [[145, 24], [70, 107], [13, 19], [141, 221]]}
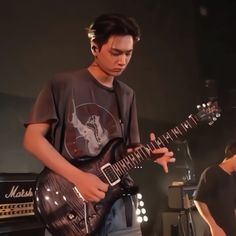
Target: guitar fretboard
{"points": [[144, 153]]}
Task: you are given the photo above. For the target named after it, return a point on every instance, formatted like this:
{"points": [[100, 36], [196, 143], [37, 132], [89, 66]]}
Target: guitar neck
{"points": [[144, 153]]}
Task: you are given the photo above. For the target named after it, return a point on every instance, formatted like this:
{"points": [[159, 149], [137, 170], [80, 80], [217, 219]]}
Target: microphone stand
{"points": [[189, 219]]}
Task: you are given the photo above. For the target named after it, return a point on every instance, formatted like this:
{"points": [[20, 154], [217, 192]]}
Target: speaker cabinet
{"points": [[181, 196], [32, 232], [21, 226]]}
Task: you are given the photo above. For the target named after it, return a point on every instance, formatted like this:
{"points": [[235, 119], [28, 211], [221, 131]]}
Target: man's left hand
{"points": [[162, 156]]}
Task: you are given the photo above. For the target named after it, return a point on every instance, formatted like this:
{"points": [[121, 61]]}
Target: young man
{"points": [[78, 113], [216, 195]]}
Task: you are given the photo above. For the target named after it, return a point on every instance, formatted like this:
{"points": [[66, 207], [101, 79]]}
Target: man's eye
{"points": [[120, 53], [115, 53]]}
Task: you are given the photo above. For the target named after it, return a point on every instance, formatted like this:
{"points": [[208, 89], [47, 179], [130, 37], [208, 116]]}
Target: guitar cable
{"points": [[85, 216], [79, 195]]}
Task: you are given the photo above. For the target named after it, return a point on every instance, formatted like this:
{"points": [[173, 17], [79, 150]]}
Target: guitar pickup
{"points": [[110, 174]]}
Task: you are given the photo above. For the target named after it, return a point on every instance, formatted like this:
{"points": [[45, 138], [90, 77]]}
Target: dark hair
{"points": [[230, 150], [106, 25]]}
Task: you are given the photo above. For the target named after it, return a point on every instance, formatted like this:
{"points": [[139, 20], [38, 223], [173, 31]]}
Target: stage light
{"points": [[141, 203], [141, 211], [140, 219], [139, 196], [138, 212]]}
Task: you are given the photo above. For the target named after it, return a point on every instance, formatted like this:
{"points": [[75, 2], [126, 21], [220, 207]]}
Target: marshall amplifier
{"points": [[17, 215], [181, 196]]}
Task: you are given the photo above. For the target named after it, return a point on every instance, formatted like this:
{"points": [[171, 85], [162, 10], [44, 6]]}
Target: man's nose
{"points": [[122, 59]]}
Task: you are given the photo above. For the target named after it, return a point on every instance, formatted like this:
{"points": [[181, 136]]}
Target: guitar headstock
{"points": [[208, 112]]}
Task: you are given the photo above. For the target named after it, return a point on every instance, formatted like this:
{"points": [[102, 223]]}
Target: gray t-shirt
{"points": [[85, 115]]}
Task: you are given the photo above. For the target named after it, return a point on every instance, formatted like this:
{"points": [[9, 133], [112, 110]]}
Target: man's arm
{"points": [[203, 210], [89, 185]]}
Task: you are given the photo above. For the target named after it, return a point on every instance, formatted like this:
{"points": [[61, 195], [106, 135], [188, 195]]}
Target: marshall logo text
{"points": [[15, 193]]}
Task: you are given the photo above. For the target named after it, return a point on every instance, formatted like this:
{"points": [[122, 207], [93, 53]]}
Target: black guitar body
{"points": [[63, 211]]}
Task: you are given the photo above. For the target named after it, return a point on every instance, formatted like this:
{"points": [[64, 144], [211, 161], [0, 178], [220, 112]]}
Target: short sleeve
{"points": [[45, 107], [206, 186]]}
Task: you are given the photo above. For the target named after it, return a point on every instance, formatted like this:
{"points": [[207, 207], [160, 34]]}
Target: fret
{"points": [[173, 132], [193, 119], [139, 157], [148, 146], [159, 142], [128, 157], [128, 162], [165, 139], [192, 123], [123, 165], [186, 125], [184, 131], [141, 154], [152, 145], [169, 136], [177, 131], [187, 121], [134, 160], [116, 168], [118, 164], [183, 127]]}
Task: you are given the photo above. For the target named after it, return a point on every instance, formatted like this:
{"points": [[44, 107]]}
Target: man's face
{"points": [[114, 56]]}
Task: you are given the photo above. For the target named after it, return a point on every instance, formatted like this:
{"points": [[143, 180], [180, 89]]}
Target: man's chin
{"points": [[116, 73]]}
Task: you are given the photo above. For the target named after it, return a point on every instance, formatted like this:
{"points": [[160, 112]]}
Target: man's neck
{"points": [[101, 76]]}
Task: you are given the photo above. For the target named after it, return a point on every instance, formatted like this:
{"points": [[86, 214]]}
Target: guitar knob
{"points": [[71, 215], [82, 224]]}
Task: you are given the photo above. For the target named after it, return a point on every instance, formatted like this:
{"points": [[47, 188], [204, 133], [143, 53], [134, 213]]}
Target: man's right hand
{"points": [[91, 187]]}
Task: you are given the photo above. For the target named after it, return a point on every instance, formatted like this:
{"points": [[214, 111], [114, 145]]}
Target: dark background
{"points": [[186, 56]]}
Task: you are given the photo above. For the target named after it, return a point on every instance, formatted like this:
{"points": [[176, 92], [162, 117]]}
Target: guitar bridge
{"points": [[110, 174]]}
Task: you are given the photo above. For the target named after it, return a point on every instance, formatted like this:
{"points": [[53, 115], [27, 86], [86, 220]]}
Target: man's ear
{"points": [[94, 48]]}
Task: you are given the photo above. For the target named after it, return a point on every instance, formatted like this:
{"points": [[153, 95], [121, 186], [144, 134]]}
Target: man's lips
{"points": [[118, 70]]}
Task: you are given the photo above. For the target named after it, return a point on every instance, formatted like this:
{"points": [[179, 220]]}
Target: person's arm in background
{"points": [[203, 210], [89, 185]]}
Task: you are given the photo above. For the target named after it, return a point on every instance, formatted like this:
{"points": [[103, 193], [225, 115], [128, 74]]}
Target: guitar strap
{"points": [[120, 108], [128, 210], [121, 111]]}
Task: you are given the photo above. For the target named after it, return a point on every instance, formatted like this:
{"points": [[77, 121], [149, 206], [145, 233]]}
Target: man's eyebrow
{"points": [[118, 50]]}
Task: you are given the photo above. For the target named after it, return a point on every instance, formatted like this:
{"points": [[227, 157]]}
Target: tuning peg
{"points": [[209, 104], [211, 123]]}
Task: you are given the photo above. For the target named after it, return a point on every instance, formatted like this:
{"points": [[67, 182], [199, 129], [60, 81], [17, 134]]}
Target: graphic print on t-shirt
{"points": [[87, 133]]}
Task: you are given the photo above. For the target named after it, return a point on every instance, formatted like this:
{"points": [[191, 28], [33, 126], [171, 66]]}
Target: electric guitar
{"points": [[62, 207]]}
